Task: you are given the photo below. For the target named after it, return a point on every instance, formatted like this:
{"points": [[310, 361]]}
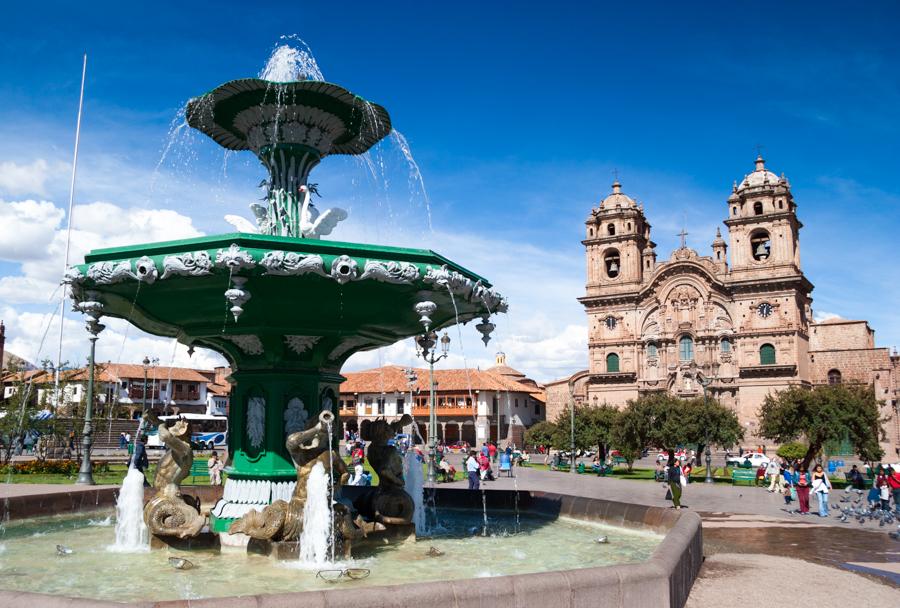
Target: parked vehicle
{"points": [[756, 460], [207, 432]]}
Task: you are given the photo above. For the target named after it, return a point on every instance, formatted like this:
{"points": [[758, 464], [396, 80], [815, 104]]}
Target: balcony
{"points": [[443, 411], [136, 393], [186, 395]]}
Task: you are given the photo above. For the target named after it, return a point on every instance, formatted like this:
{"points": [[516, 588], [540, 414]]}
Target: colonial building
{"points": [[470, 403], [738, 320], [172, 389]]}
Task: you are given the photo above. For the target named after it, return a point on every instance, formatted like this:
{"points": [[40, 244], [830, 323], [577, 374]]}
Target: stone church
{"points": [[737, 323]]}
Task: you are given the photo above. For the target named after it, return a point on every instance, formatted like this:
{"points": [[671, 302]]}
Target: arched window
{"points": [[767, 354], [734, 211], [611, 229], [686, 348], [760, 245], [651, 350], [612, 264], [725, 345], [612, 363], [781, 204], [590, 232], [834, 376], [628, 227], [757, 208]]}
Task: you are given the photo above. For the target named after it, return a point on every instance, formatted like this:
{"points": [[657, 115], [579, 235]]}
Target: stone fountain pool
{"points": [[29, 561]]}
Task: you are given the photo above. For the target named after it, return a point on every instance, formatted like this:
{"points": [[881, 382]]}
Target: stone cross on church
{"points": [[683, 234]]}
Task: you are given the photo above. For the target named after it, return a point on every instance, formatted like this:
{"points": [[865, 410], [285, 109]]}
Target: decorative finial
{"points": [[718, 233], [760, 161], [683, 234], [734, 186]]}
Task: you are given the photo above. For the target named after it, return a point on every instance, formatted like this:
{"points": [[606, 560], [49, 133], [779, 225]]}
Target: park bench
{"points": [[617, 460], [741, 475], [198, 469]]}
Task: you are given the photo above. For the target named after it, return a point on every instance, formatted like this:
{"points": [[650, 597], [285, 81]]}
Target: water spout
{"points": [[289, 63], [132, 535], [414, 484], [316, 516]]}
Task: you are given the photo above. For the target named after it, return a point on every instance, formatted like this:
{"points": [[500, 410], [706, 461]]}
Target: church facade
{"points": [[737, 323]]}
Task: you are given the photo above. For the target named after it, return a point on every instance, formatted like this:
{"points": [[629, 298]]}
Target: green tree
{"points": [[17, 412], [705, 422], [540, 434], [825, 413], [645, 422], [593, 427]]}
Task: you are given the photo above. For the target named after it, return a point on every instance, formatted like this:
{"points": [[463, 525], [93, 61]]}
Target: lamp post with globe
{"points": [[426, 344]]}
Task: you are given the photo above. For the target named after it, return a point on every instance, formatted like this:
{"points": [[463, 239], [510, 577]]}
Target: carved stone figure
{"points": [[169, 513], [283, 520], [389, 503]]}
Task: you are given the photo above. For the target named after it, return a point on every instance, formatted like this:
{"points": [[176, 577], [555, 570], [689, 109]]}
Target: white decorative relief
{"points": [[301, 344], [390, 272], [256, 421], [249, 344], [285, 263], [295, 416], [234, 258], [106, 273], [195, 264]]}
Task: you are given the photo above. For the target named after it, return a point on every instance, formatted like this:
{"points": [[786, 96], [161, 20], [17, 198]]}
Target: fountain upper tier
{"points": [[253, 114], [300, 302]]}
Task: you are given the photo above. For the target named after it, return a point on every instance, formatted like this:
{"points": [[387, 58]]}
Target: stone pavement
{"points": [[711, 501]]}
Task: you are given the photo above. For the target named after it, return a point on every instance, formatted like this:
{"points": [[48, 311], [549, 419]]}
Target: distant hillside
{"points": [[12, 359]]}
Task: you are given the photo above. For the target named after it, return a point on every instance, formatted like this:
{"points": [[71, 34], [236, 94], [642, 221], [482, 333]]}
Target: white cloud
{"points": [[23, 180], [820, 316], [27, 228]]}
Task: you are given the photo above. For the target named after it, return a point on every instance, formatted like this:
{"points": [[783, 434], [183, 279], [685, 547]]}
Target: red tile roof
{"points": [[392, 378]]}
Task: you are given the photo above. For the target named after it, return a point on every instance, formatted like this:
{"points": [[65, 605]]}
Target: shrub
{"points": [[50, 467], [793, 451]]}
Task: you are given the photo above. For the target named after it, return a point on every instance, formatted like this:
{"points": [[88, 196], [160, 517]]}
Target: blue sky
{"points": [[517, 114]]}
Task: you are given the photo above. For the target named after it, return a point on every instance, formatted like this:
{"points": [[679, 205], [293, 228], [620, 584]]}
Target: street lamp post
{"points": [[426, 346], [572, 427], [92, 308]]}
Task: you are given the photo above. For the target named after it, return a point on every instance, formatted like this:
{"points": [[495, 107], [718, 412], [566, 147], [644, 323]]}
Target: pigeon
{"points": [[63, 550], [603, 540], [179, 563], [894, 535], [434, 552]]}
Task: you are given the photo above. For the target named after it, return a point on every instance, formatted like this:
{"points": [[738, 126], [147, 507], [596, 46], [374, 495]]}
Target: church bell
{"points": [[762, 251], [614, 266]]}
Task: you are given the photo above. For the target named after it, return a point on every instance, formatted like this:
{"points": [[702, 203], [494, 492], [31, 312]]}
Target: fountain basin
{"points": [[656, 569]]}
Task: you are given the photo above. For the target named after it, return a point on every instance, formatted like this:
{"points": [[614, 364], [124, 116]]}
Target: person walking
{"points": [[492, 451], [894, 483], [790, 490], [802, 483], [123, 443], [674, 476], [472, 470], [821, 485], [774, 473]]}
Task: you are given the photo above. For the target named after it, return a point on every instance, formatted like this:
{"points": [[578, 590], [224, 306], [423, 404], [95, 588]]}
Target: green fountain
{"points": [[284, 307]]}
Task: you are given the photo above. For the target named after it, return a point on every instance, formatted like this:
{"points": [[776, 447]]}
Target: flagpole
{"points": [[62, 301]]}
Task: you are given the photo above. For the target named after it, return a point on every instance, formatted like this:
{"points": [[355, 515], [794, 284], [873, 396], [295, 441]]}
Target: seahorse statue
{"points": [[283, 520], [389, 503], [169, 513]]}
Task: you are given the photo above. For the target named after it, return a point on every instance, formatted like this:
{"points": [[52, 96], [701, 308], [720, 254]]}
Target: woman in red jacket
{"points": [[802, 484]]}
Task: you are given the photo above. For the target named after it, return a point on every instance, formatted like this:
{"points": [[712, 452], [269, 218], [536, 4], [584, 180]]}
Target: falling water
{"points": [[414, 484], [516, 484], [316, 516], [484, 529], [131, 531], [330, 491], [291, 61]]}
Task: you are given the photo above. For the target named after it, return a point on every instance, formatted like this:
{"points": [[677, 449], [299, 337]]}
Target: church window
{"points": [[686, 348], [718, 255], [651, 350], [760, 245], [834, 376], [590, 232], [628, 227], [767, 354], [757, 208], [611, 229], [734, 211], [610, 322], [612, 264], [725, 345], [612, 363], [781, 204]]}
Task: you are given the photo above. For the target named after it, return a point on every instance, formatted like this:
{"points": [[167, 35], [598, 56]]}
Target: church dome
{"points": [[760, 177], [617, 199]]}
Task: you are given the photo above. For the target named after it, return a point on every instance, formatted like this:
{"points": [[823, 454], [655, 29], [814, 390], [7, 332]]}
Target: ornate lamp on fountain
{"points": [[93, 309], [426, 349], [298, 306]]}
